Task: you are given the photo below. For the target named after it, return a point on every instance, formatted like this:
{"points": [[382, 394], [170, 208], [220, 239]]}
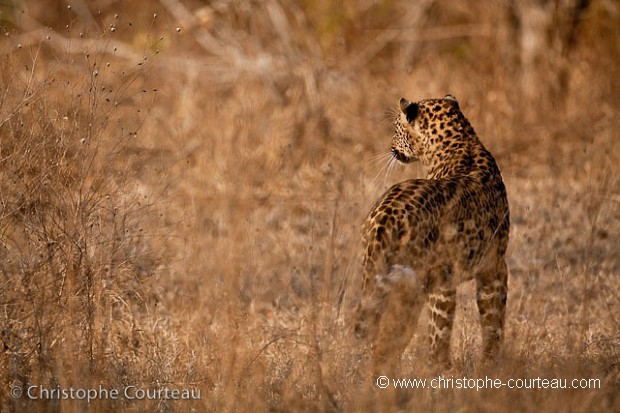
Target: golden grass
{"points": [[180, 209]]}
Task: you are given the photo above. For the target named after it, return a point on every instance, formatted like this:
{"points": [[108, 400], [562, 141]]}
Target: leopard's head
{"points": [[421, 126]]}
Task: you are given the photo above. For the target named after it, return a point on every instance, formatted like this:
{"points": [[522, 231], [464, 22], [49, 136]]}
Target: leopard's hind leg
{"points": [[491, 294]]}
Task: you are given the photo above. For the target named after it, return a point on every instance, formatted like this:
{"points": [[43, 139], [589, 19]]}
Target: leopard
{"points": [[424, 237]]}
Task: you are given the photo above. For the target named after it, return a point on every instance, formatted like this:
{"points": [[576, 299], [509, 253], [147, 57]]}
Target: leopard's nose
{"points": [[401, 157]]}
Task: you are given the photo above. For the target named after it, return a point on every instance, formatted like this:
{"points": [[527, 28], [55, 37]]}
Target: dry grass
{"points": [[180, 208]]}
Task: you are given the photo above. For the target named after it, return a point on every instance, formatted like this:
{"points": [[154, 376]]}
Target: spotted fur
{"points": [[423, 237]]}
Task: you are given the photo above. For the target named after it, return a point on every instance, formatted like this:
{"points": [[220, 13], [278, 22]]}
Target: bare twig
{"points": [[75, 45]]}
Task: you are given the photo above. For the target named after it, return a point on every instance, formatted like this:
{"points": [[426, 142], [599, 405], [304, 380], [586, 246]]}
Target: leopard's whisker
{"points": [[379, 163], [392, 162], [391, 113], [381, 156], [385, 170]]}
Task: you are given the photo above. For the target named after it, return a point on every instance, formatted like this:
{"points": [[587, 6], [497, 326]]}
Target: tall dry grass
{"points": [[182, 185]]}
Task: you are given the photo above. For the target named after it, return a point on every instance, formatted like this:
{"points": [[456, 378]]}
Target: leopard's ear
{"points": [[452, 99], [410, 109]]}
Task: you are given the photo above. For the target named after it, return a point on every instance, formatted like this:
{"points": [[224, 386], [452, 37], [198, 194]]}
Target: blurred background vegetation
{"points": [[182, 183]]}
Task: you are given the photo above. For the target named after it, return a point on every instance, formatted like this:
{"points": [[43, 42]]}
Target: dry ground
{"points": [[182, 185]]}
